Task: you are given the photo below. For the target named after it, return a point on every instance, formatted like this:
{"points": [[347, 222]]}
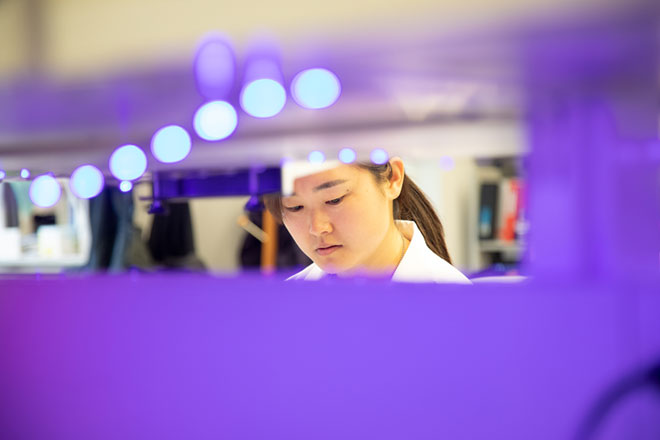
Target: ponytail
{"points": [[412, 204]]}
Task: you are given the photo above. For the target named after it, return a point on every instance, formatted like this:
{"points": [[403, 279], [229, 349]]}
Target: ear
{"points": [[395, 182]]}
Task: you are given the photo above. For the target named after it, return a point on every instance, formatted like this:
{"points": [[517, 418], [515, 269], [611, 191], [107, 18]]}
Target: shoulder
{"points": [[426, 266], [443, 272], [421, 264], [311, 272]]}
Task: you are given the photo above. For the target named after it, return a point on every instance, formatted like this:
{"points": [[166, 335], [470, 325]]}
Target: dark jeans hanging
{"points": [[10, 205], [116, 242]]}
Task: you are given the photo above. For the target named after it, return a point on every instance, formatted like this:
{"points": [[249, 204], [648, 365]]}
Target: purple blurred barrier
{"points": [[192, 356], [592, 88]]}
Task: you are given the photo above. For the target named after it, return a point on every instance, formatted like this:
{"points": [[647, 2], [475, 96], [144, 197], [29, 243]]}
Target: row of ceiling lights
{"points": [[262, 96]]}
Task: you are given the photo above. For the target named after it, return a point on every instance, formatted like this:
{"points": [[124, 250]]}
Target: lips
{"points": [[327, 250]]}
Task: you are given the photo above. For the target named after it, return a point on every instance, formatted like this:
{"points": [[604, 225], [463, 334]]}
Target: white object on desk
{"points": [[55, 241], [10, 243]]}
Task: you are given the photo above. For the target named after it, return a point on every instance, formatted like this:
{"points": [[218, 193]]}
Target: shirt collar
{"points": [[416, 247]]}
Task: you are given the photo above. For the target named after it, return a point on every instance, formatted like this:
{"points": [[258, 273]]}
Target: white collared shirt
{"points": [[418, 265]]}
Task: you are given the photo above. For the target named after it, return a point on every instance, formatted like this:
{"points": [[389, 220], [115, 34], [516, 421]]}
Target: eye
{"points": [[293, 208], [336, 201]]}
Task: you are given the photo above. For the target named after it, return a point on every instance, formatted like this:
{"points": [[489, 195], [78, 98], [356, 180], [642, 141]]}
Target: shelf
{"points": [[37, 261], [501, 246]]}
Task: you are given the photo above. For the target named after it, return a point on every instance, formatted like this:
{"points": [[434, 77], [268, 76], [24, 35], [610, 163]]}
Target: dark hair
{"points": [[412, 204]]}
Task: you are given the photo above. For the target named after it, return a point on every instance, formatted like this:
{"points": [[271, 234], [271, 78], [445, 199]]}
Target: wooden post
{"points": [[269, 246]]}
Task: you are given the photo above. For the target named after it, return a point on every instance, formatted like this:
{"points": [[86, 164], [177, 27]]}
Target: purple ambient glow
{"points": [[446, 163], [379, 156], [215, 67]]}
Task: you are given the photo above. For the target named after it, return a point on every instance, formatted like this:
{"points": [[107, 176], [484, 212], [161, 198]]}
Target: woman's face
{"points": [[339, 218]]}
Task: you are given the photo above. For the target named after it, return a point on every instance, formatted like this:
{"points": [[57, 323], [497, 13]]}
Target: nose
{"points": [[319, 223]]}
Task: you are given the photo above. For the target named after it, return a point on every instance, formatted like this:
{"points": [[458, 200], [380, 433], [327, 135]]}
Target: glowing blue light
{"points": [[2, 174], [125, 186], [171, 144], [25, 173], [316, 157], [315, 88], [379, 156], [86, 181], [215, 67], [215, 120], [128, 162], [347, 155], [263, 98], [45, 191], [446, 163]]}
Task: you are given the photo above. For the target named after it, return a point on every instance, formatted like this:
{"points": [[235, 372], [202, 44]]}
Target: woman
{"points": [[366, 220]]}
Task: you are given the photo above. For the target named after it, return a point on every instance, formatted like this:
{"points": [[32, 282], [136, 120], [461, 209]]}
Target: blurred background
{"points": [[438, 83]]}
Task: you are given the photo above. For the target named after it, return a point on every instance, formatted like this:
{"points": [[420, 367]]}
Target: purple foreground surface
{"points": [[198, 357]]}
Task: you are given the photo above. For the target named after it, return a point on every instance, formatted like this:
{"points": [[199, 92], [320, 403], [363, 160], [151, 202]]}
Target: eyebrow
{"points": [[327, 185]]}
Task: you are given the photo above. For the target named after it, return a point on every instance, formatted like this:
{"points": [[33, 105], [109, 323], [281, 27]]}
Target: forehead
{"points": [[307, 184]]}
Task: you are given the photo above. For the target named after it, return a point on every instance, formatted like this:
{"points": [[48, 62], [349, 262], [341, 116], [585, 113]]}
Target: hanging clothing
{"points": [[9, 206], [171, 241], [116, 243]]}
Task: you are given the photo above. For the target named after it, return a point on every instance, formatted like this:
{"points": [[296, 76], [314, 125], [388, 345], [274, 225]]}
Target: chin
{"points": [[331, 267], [328, 268]]}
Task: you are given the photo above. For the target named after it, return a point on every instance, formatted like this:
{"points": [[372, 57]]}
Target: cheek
{"points": [[365, 222], [296, 228], [353, 224]]}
